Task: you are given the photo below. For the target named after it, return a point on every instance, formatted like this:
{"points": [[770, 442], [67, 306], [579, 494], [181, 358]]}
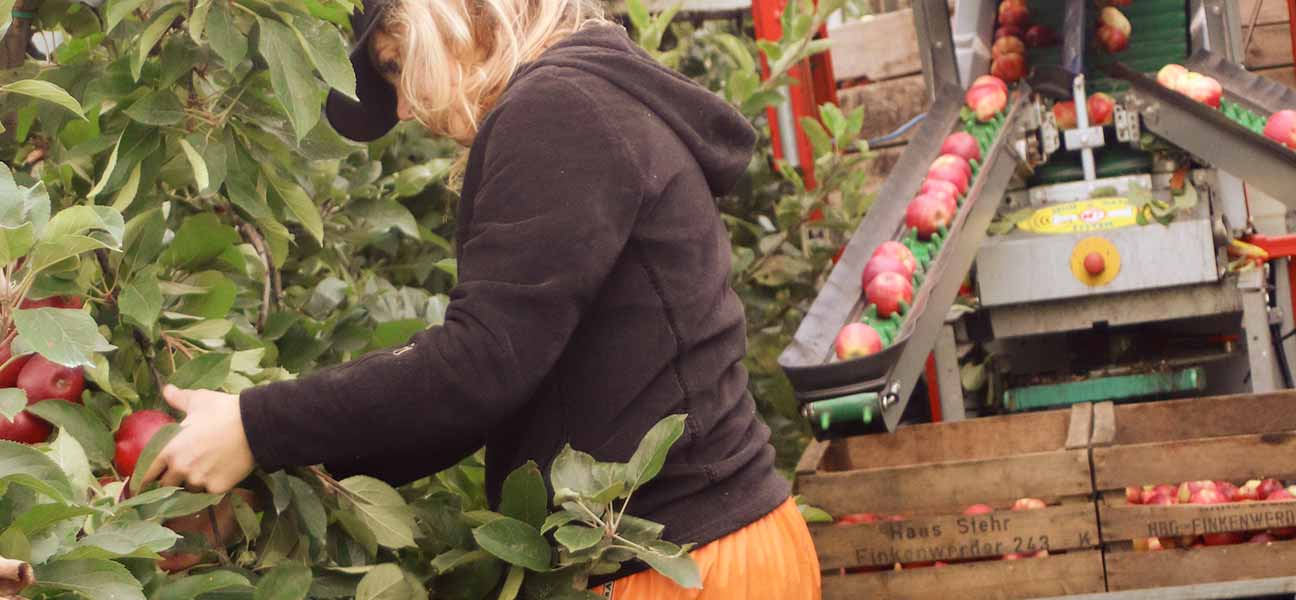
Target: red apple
{"points": [[1133, 495], [1009, 67], [1013, 13], [1029, 504], [986, 100], [961, 143], [1012, 556], [1281, 128], [927, 214], [882, 264], [1280, 495], [1261, 538], [1164, 489], [1154, 544], [1207, 496], [1007, 31], [9, 374], [1249, 492], [939, 186], [201, 523], [977, 509], [951, 171], [1170, 75], [1159, 500], [1065, 114], [1007, 45], [952, 160], [1201, 88], [940, 564], [856, 518], [1267, 487], [1111, 39], [43, 380], [1100, 106], [25, 428], [887, 291], [133, 434], [1227, 538], [950, 200], [1113, 17], [1040, 36], [53, 302], [899, 252], [1226, 489]]}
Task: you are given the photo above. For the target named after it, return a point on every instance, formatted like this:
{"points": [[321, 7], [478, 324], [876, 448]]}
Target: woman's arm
{"points": [[558, 198]]}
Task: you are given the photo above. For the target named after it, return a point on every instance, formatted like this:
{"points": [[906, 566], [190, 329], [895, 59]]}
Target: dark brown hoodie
{"points": [[593, 301]]}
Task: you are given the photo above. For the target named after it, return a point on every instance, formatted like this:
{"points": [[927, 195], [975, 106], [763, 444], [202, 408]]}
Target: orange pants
{"points": [[771, 559]]}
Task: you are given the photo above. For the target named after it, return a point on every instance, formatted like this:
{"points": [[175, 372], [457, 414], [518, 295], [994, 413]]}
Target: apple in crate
{"points": [[1267, 487], [1281, 128], [977, 509], [1029, 504], [962, 144], [987, 99], [1188, 488], [858, 340], [927, 214], [1226, 489], [887, 291], [1248, 492], [1164, 489], [899, 252]]}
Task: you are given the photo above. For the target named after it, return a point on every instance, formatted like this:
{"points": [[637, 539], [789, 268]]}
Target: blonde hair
{"points": [[459, 55]]}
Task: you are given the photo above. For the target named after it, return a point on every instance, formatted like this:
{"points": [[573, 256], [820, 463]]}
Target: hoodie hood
{"points": [[718, 136]]}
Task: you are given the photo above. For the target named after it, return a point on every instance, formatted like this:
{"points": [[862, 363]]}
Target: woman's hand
{"points": [[211, 452]]}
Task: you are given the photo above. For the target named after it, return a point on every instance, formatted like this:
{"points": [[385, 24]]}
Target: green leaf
{"points": [[387, 582], [141, 300], [82, 423], [515, 543], [200, 238], [182, 504], [328, 51], [225, 38], [74, 231], [455, 558], [150, 453], [15, 545], [40, 517], [140, 539], [248, 521], [210, 329], [68, 454], [638, 13], [578, 537], [291, 76], [197, 21], [188, 588], [159, 108], [126, 195], [218, 298], [524, 496], [819, 140], [156, 29], [199, 165], [358, 530], [559, 519], [382, 509], [813, 514], [149, 497], [118, 10], [12, 402], [90, 579], [737, 49], [651, 454], [309, 508], [512, 583], [299, 204], [679, 568], [44, 90], [284, 582], [65, 336], [572, 472], [203, 373]]}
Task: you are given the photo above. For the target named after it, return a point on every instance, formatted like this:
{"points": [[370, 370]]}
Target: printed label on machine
{"points": [[1099, 214]]}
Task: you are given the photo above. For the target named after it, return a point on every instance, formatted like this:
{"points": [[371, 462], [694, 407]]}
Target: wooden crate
{"points": [[1232, 438], [930, 474]]}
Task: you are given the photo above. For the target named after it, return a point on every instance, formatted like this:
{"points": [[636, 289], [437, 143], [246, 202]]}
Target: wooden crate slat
{"points": [[957, 537], [1133, 521], [995, 481], [1270, 46], [812, 457], [1271, 11], [1138, 570], [988, 437], [1233, 457], [1202, 417], [1081, 427], [1251, 588], [876, 47], [1071, 573], [887, 104]]}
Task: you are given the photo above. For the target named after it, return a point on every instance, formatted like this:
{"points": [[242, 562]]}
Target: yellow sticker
{"points": [[1099, 214], [1097, 254]]}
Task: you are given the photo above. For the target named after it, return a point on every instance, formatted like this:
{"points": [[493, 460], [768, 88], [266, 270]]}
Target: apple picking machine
{"points": [[1135, 254]]}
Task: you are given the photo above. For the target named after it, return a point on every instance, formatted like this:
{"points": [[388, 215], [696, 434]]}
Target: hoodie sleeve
{"points": [[558, 197]]}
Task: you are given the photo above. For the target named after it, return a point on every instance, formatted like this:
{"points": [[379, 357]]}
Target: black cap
{"points": [[375, 114]]}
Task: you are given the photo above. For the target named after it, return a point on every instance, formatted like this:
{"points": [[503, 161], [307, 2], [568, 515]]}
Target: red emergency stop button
{"points": [[1094, 264]]}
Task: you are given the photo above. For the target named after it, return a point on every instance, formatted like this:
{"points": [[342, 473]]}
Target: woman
{"points": [[593, 297]]}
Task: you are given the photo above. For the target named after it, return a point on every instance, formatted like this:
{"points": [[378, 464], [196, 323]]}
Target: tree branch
{"points": [[272, 290], [13, 51]]}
